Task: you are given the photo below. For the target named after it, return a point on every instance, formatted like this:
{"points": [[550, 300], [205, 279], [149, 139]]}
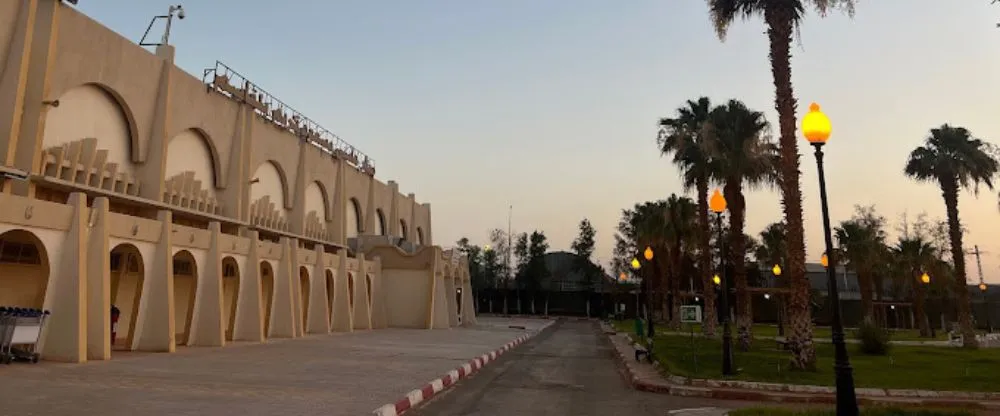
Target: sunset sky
{"points": [[551, 107]]}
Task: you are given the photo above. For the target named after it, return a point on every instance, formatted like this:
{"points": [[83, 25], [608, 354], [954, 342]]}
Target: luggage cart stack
{"points": [[21, 327]]}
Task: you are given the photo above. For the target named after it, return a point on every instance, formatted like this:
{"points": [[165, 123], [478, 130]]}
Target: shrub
{"points": [[874, 340]]}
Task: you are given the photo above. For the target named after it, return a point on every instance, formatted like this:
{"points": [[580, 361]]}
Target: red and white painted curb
{"points": [[438, 385]]}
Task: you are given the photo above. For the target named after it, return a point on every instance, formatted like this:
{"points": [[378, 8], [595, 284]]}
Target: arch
{"points": [[24, 269], [185, 291], [263, 184], [80, 116], [266, 294], [315, 195], [331, 287], [350, 290], [304, 294], [368, 290], [380, 228], [403, 230], [127, 278], [230, 293], [353, 218], [420, 236], [187, 145]]}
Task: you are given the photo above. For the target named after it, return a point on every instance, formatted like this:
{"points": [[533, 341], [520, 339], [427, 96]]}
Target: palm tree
{"points": [[680, 232], [772, 251], [916, 256], [862, 242], [682, 136], [740, 156], [782, 18], [955, 160]]}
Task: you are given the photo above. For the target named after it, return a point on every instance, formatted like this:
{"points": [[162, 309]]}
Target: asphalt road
{"points": [[567, 370]]}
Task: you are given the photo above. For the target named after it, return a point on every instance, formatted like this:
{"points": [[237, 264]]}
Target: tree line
{"points": [[515, 264], [727, 146]]}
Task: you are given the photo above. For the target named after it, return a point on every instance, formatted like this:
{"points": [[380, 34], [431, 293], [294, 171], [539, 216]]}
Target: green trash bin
{"points": [[639, 328]]}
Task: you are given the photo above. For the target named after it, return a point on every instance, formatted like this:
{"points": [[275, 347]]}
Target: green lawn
{"points": [[764, 330], [907, 367], [875, 411]]}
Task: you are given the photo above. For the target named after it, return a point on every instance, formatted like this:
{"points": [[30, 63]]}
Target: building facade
{"points": [[204, 210]]}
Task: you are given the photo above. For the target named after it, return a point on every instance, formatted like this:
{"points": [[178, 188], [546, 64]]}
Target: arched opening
{"points": [[230, 293], [190, 151], [420, 236], [266, 294], [353, 220], [403, 230], [304, 294], [380, 228], [368, 289], [127, 277], [316, 201], [350, 290], [24, 270], [331, 286], [185, 290], [108, 120]]}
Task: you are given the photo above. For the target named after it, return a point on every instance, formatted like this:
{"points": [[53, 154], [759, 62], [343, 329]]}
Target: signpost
{"points": [[690, 315]]}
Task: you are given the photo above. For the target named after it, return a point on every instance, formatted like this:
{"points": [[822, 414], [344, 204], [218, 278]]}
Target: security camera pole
{"points": [[178, 11]]}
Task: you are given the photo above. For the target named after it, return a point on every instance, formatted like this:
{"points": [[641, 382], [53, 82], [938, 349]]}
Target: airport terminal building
{"points": [[202, 208]]}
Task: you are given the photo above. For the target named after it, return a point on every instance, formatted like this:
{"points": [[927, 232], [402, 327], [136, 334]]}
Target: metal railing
{"points": [[232, 84]]}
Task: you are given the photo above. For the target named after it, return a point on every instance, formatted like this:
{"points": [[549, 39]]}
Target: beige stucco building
{"points": [[205, 210]]}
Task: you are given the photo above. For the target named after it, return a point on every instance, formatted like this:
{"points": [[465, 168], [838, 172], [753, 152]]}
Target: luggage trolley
{"points": [[23, 328], [7, 323]]}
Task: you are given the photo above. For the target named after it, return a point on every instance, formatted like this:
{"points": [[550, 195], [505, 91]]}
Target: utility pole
{"points": [[510, 274]]}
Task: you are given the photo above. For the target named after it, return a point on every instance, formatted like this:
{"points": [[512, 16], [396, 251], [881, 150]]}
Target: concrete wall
{"points": [[136, 167]]}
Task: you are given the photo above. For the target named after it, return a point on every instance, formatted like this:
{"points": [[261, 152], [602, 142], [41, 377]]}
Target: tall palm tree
{"points": [[862, 243], [772, 251], [649, 222], [680, 213], [916, 256], [782, 18], [741, 156], [955, 160], [682, 136]]}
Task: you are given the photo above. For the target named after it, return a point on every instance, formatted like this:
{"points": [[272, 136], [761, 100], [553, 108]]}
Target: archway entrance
{"points": [[350, 291], [304, 294], [230, 293], [24, 270], [185, 290], [127, 277], [368, 288], [331, 285], [266, 294]]}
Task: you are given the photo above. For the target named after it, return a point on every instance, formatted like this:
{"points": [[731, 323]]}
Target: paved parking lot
{"points": [[337, 374]]}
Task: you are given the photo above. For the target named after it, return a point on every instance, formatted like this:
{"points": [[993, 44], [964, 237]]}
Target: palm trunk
{"points": [[705, 259], [737, 254], [949, 190], [779, 22]]}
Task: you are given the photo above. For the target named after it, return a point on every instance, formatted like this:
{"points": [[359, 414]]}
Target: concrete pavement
{"points": [[568, 369], [335, 374]]}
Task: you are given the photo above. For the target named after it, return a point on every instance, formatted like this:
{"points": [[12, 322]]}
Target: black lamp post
{"points": [[986, 302], [717, 203], [816, 127]]}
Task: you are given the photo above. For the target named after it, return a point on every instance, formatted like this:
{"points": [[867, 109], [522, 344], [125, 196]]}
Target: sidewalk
{"points": [[646, 377]]}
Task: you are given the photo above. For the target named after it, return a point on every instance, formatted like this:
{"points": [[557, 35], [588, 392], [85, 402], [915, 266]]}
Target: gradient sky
{"points": [[551, 107]]}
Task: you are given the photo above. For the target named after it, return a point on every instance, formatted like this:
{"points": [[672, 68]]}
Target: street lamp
{"points": [[986, 301], [825, 261], [648, 285], [925, 278], [781, 302], [717, 203], [816, 128]]}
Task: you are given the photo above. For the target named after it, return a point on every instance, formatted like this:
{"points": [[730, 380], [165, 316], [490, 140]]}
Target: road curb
{"points": [[666, 386], [436, 386]]}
